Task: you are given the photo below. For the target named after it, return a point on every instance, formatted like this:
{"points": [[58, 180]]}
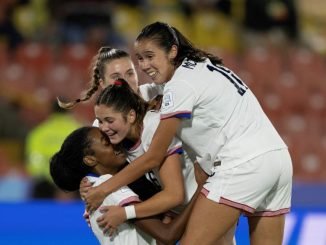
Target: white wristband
{"points": [[130, 212]]}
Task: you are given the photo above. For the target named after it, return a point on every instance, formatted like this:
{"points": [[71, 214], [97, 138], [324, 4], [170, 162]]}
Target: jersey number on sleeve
{"points": [[234, 79]]}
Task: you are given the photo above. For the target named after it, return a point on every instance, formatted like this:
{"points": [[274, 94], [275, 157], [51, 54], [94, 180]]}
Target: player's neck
{"points": [[133, 139], [135, 133]]}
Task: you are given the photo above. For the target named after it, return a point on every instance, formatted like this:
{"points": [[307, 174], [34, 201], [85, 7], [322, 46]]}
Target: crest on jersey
{"points": [[167, 101]]}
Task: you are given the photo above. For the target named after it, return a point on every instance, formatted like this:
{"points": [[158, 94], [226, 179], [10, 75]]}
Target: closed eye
{"points": [[115, 77], [109, 120], [105, 140], [138, 57], [130, 73]]}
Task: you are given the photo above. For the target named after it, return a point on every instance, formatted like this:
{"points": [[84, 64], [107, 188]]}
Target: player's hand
{"points": [[94, 198], [84, 186], [111, 218], [87, 219], [200, 174]]}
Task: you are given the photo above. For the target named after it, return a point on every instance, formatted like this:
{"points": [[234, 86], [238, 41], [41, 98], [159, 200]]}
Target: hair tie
{"points": [[117, 82]]}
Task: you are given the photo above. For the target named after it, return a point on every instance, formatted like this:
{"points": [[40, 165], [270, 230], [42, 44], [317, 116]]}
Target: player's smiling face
{"points": [[107, 156], [113, 123], [155, 61], [120, 68]]}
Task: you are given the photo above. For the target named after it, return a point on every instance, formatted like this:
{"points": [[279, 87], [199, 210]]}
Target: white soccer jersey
{"points": [[148, 91], [225, 121], [126, 232], [150, 124]]}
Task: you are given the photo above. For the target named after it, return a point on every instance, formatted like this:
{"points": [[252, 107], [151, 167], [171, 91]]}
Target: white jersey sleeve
{"points": [[126, 232], [151, 122], [122, 197], [222, 119], [96, 123], [150, 90], [178, 106]]}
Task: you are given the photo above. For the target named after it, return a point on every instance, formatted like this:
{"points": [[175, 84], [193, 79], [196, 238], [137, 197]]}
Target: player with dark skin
{"points": [[89, 151], [206, 102]]}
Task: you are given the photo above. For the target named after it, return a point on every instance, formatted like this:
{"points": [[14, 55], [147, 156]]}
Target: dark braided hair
{"points": [[104, 56], [122, 98], [66, 166], [166, 36]]}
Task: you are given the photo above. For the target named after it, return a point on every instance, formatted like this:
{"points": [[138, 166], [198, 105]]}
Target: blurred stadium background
{"points": [[278, 47]]}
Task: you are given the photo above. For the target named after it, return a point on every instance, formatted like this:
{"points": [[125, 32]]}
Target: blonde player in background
{"points": [[110, 64]]}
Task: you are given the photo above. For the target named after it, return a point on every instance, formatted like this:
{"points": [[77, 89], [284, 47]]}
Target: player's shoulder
{"points": [[149, 90], [96, 123], [105, 177], [151, 120], [147, 85], [152, 115], [99, 179], [193, 66], [190, 71]]}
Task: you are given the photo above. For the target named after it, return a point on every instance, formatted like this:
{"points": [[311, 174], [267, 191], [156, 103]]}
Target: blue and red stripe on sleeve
{"points": [[177, 114]]}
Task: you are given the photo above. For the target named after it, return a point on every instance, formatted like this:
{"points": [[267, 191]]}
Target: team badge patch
{"points": [[167, 101]]}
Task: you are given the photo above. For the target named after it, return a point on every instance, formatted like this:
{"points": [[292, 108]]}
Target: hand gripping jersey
{"points": [[126, 232], [150, 124], [223, 121]]}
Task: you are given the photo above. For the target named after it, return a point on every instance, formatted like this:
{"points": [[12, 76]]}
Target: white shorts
{"points": [[260, 187]]}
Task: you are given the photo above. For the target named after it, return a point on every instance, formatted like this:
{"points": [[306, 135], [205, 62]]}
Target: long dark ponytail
{"points": [[166, 36]]}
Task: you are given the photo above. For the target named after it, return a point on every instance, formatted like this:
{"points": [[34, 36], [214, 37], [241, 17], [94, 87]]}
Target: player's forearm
{"points": [[129, 174], [173, 192], [176, 228], [170, 233], [155, 228], [159, 203]]}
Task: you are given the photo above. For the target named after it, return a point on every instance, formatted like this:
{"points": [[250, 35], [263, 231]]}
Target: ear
{"points": [[90, 160], [131, 117], [173, 52], [102, 84]]}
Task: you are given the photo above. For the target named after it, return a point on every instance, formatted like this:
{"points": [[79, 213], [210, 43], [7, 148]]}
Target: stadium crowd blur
{"points": [[278, 47]]}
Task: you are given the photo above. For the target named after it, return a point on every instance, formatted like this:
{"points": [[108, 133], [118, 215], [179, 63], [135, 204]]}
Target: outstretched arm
{"points": [[170, 233], [151, 159], [172, 193]]}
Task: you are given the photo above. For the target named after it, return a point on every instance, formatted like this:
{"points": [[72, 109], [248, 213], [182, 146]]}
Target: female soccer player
{"points": [[125, 117], [110, 64], [218, 117], [88, 152], [129, 121]]}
